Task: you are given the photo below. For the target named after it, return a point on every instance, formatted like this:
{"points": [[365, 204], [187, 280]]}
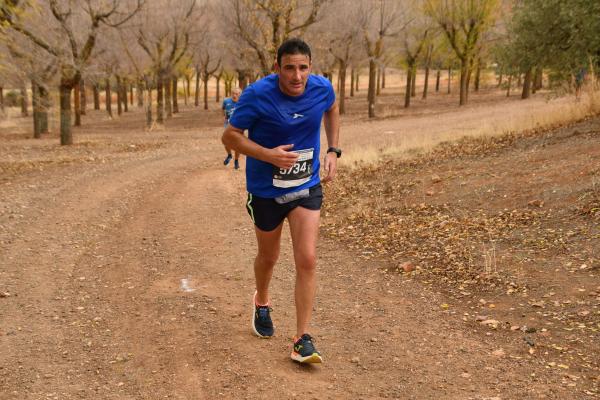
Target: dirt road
{"points": [[129, 276]]}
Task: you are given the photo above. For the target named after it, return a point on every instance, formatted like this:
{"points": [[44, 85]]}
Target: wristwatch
{"points": [[335, 150]]}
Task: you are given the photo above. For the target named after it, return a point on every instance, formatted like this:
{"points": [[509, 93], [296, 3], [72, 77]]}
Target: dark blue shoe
{"points": [[261, 320], [304, 350], [227, 159], [236, 164]]}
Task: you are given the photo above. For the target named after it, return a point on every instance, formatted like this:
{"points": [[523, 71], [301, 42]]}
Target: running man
{"points": [[228, 107], [283, 114]]}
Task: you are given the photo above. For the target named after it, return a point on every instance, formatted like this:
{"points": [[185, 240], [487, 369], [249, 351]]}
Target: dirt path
{"points": [[132, 280]]}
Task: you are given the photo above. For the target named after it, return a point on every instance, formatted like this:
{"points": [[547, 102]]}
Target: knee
{"points": [[267, 260], [306, 262]]}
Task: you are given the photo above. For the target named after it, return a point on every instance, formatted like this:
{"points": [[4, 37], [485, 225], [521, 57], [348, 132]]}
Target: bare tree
{"points": [[77, 25], [341, 42], [165, 34], [377, 23], [264, 24]]}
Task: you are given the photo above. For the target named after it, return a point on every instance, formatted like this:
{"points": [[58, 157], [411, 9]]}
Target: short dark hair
{"points": [[293, 46]]}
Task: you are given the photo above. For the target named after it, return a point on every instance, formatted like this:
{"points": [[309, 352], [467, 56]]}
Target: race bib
{"points": [[298, 174]]}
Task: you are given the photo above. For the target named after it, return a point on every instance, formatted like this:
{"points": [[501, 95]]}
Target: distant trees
{"points": [[264, 24], [562, 35], [121, 45], [378, 23], [75, 29], [463, 22]]}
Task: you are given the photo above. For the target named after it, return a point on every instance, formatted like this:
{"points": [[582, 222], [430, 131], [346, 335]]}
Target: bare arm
{"points": [[332, 130], [279, 156]]}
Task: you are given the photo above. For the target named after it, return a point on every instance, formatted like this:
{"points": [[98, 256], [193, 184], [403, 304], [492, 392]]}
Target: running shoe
{"points": [[227, 159], [236, 164], [261, 320], [304, 350]]}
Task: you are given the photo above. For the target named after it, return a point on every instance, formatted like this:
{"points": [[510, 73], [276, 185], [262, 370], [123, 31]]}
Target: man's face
{"points": [[235, 95], [293, 73]]}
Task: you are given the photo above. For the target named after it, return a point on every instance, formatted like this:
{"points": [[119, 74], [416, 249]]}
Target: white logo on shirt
{"points": [[296, 115]]}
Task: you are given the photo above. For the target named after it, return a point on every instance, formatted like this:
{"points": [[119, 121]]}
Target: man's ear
{"points": [[276, 67]]}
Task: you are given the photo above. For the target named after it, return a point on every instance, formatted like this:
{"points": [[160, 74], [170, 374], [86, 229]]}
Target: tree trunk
{"points": [[218, 96], [130, 94], [509, 85], [119, 95], [357, 76], [464, 82], [77, 102], [500, 79], [175, 103], [242, 78], [159, 100], [342, 96], [44, 102], [96, 96], [413, 87], [187, 90], [437, 80], [124, 95], [168, 97], [352, 82], [526, 85], [148, 106], [205, 82], [66, 136], [378, 81], [24, 102], [83, 97], [469, 73], [426, 82], [539, 77], [519, 80], [108, 98], [372, 88], [197, 93], [1, 99], [449, 80], [139, 91], [409, 81], [478, 75], [383, 77], [35, 103]]}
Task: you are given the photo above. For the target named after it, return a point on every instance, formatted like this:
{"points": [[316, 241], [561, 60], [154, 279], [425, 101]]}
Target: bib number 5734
{"points": [[299, 173]]}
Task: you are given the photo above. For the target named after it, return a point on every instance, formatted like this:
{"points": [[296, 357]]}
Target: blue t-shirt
{"points": [[228, 106], [274, 119]]}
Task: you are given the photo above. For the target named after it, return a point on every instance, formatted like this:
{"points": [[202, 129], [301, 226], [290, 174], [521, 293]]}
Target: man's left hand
{"points": [[330, 167]]}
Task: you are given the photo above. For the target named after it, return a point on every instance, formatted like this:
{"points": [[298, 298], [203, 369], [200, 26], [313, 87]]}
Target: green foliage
{"points": [[563, 35]]}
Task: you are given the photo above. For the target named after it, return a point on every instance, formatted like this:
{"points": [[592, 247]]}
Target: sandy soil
{"points": [[126, 273]]}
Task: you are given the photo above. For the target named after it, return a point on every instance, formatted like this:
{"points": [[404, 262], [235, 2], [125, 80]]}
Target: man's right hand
{"points": [[281, 157]]}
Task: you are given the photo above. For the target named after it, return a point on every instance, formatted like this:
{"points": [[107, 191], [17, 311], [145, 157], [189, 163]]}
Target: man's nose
{"points": [[297, 75]]}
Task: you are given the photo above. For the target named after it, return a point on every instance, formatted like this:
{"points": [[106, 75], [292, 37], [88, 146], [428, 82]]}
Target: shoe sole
{"points": [[253, 326], [314, 358]]}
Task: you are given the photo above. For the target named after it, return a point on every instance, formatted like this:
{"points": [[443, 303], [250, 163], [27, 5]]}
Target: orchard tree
{"points": [[463, 23], [67, 32], [165, 34], [378, 22], [264, 24]]}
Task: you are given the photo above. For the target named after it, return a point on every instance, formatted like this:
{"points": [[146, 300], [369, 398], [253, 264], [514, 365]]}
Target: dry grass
{"points": [[367, 143]]}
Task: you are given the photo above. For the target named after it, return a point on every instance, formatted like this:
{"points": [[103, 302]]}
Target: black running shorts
{"points": [[267, 214]]}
